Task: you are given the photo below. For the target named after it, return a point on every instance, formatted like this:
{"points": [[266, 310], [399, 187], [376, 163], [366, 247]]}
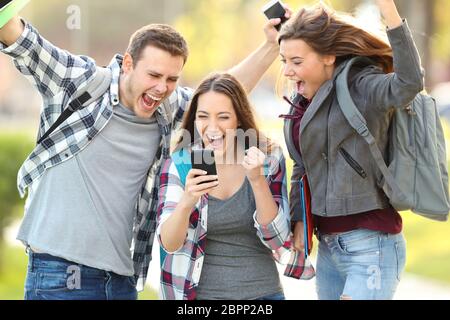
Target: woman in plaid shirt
{"points": [[222, 234]]}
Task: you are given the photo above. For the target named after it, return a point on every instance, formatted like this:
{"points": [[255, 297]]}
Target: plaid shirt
{"points": [[181, 270], [58, 75]]}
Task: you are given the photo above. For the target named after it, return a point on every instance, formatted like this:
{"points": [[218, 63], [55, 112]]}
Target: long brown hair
{"points": [[228, 85], [331, 33]]}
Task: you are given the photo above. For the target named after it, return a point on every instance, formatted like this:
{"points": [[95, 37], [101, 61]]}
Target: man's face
{"points": [[143, 87]]}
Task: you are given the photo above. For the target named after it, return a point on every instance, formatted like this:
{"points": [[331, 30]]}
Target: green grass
{"points": [[428, 247], [12, 272]]}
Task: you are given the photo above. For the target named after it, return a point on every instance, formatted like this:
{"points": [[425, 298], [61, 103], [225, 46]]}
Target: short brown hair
{"points": [[161, 36]]}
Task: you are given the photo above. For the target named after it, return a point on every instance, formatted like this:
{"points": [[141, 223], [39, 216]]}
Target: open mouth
{"points": [[301, 87], [150, 101], [215, 141]]}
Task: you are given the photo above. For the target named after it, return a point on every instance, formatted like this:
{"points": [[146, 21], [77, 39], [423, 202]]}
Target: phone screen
{"points": [[204, 160]]}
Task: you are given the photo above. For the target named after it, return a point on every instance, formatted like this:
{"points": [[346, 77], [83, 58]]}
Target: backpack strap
{"points": [[94, 90], [359, 123]]}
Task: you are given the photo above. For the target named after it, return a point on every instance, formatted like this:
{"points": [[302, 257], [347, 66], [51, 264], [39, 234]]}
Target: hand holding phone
{"points": [[204, 160], [274, 9], [197, 182]]}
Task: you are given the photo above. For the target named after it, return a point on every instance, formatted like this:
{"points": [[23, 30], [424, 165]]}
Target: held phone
{"points": [[274, 9], [204, 160]]}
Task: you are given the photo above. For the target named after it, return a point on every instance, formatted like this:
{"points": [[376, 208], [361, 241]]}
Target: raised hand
{"points": [[270, 30], [253, 164], [390, 13]]}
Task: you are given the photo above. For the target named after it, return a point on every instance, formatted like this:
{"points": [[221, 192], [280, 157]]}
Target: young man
{"points": [[92, 192]]}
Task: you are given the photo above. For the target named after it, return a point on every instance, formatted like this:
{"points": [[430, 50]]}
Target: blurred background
{"points": [[220, 33]]}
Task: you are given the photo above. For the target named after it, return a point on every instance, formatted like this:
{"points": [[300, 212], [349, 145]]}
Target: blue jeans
{"points": [[276, 296], [52, 278], [360, 265]]}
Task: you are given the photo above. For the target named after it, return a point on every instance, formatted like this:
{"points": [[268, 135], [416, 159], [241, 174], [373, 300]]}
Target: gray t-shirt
{"points": [[83, 209], [237, 265]]}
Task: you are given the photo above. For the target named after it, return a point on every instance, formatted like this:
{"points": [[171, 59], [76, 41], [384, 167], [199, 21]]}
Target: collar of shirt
{"points": [[299, 106], [115, 65]]}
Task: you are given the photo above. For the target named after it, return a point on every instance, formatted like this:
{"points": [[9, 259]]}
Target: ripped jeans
{"points": [[359, 265]]}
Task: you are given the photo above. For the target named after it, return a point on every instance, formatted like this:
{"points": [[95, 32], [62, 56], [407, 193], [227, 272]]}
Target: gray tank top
{"points": [[237, 265]]}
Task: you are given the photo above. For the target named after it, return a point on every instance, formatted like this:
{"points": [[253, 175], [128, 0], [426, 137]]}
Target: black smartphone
{"points": [[4, 3], [274, 9], [204, 160]]}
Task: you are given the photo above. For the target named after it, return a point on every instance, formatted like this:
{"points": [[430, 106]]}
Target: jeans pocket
{"points": [[51, 285], [368, 245]]}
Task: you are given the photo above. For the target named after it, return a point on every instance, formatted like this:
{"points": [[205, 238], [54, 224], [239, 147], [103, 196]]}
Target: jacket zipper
{"points": [[353, 163]]}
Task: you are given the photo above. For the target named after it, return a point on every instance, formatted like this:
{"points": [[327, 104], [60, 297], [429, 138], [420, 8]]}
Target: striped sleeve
{"points": [[170, 192], [51, 70], [275, 234], [179, 107]]}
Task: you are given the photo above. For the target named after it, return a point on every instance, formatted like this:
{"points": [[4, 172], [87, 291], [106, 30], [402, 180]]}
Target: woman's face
{"points": [[216, 121], [302, 65]]}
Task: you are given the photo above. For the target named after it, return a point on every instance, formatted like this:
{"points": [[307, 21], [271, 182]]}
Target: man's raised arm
{"points": [[11, 31], [252, 68]]}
